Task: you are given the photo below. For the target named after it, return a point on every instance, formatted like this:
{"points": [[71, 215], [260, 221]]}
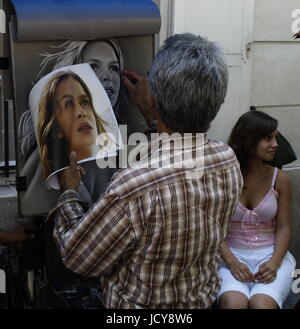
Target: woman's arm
{"points": [[239, 270], [17, 235], [267, 271], [283, 220]]}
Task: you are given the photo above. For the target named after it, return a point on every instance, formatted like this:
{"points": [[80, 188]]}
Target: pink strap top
{"points": [[254, 228]]}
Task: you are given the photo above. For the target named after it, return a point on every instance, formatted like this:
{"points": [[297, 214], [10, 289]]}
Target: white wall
{"points": [[275, 85], [230, 24], [166, 13], [267, 75]]}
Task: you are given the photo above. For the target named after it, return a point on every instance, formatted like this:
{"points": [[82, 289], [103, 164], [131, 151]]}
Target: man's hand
{"points": [[70, 178], [241, 272], [267, 272], [138, 91], [296, 35]]}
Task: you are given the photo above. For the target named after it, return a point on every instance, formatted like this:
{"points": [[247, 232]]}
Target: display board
{"points": [[49, 35]]}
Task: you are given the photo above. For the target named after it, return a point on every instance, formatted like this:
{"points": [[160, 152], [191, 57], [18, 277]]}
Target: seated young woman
{"points": [[257, 268]]}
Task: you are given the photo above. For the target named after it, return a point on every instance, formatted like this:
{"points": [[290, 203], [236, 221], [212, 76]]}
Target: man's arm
{"points": [[138, 90], [90, 243]]}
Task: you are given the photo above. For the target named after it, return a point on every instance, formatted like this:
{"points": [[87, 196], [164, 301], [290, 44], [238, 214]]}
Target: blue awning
{"points": [[41, 20]]}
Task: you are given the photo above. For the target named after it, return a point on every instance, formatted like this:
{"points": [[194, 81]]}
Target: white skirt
{"points": [[277, 289]]}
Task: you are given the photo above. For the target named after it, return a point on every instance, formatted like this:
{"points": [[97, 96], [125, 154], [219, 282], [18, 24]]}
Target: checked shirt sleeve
{"points": [[90, 243]]}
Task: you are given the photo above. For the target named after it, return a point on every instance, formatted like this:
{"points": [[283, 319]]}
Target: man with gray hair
{"points": [[154, 236]]}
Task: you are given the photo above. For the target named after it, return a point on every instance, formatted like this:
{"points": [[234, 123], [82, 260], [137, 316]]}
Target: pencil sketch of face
{"points": [[103, 60]]}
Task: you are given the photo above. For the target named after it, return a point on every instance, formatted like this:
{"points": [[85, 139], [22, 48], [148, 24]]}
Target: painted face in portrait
{"points": [[75, 117], [105, 64]]}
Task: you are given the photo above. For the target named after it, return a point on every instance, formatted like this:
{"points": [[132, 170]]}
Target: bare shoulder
{"points": [[283, 181]]}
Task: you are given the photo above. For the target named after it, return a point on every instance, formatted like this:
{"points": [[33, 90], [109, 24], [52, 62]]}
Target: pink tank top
{"points": [[254, 228]]}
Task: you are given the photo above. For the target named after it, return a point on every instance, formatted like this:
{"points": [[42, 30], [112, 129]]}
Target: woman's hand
{"points": [[267, 272], [241, 272]]}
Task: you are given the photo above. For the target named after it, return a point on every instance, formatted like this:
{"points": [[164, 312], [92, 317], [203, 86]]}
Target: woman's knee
{"points": [[233, 300], [261, 301]]}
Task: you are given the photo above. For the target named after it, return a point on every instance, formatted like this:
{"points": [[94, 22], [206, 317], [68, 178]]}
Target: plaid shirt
{"points": [[155, 234]]}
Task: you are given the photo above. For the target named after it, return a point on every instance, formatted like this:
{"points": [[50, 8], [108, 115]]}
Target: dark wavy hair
{"points": [[250, 128]]}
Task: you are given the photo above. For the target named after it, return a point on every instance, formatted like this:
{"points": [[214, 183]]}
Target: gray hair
{"points": [[188, 80]]}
